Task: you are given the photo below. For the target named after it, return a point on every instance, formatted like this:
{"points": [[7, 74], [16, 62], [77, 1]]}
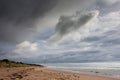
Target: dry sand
{"points": [[38, 73]]}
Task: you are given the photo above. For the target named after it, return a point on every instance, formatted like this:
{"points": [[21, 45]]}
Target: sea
{"points": [[110, 69]]}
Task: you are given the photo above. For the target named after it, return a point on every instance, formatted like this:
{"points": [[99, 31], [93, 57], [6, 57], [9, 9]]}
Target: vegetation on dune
{"points": [[8, 63]]}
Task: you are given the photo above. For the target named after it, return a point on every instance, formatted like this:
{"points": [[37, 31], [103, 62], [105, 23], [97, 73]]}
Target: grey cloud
{"points": [[4, 53], [17, 18], [106, 6], [68, 24], [75, 56], [93, 38]]}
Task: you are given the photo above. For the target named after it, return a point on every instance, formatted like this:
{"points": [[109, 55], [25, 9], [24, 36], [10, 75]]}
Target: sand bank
{"points": [[38, 73]]}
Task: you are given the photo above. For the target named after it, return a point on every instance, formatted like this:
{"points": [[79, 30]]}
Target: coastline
{"points": [[107, 69], [92, 72], [45, 73]]}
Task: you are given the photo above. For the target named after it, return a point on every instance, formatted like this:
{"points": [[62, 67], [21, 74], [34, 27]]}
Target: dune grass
{"points": [[8, 63]]}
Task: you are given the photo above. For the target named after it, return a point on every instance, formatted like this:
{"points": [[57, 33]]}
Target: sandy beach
{"points": [[38, 73]]}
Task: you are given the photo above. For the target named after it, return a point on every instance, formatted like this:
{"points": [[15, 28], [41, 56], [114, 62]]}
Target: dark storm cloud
{"points": [[17, 18], [68, 24]]}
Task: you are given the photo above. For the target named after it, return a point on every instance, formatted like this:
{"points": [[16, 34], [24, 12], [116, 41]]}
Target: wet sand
{"points": [[44, 73]]}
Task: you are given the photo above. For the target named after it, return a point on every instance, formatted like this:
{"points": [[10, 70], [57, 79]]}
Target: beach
{"points": [[44, 73]]}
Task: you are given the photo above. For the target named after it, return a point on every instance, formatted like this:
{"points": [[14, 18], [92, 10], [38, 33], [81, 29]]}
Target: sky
{"points": [[37, 31]]}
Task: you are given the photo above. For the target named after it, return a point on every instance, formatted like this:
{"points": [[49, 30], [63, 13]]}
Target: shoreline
{"points": [[45, 73], [95, 73], [91, 73]]}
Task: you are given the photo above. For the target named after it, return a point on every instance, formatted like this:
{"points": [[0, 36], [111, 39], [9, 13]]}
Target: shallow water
{"points": [[111, 69]]}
